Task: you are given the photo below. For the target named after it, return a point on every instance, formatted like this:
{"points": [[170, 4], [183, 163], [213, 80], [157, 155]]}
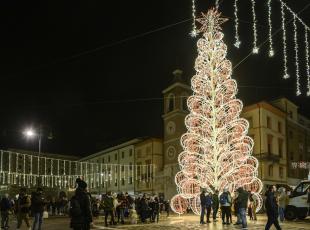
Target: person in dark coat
{"points": [[80, 210], [37, 208], [203, 206], [242, 203], [108, 206], [167, 207], [155, 210], [208, 206], [272, 208], [225, 202], [215, 204], [5, 207], [144, 209], [23, 208]]}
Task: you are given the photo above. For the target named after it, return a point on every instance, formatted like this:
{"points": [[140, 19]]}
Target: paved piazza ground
{"points": [[172, 223]]}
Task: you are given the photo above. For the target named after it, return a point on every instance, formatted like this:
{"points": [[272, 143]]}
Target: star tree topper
{"points": [[211, 21]]}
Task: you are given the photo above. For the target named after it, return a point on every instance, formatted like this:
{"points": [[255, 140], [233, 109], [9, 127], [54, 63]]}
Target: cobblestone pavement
{"points": [[172, 223], [192, 222]]}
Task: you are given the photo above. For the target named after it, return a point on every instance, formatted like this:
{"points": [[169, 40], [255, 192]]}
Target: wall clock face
{"points": [[170, 128], [171, 152]]}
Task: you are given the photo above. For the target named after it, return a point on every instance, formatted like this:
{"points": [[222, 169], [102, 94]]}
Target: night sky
{"points": [[91, 72]]}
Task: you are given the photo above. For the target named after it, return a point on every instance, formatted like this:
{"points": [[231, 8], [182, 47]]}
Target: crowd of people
{"points": [[228, 204], [244, 202], [81, 208], [121, 208]]}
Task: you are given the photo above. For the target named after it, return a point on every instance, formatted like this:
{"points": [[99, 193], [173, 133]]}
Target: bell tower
{"points": [[175, 110]]}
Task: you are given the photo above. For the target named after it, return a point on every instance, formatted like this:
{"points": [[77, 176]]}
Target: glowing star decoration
{"points": [[216, 149]]}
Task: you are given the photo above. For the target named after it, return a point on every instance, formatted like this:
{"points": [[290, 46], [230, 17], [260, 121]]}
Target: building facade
{"points": [[298, 140], [267, 127], [129, 167]]}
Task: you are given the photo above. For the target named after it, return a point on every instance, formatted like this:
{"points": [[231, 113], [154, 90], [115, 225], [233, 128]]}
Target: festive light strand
{"points": [[271, 51], [298, 92], [194, 30], [307, 61], [255, 48], [285, 75], [217, 4], [237, 39], [294, 15]]}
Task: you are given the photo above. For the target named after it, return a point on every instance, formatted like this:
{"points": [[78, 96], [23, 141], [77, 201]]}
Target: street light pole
{"points": [[39, 154], [30, 133]]}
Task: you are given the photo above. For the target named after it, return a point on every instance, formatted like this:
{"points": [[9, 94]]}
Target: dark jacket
{"points": [[37, 203], [271, 204], [242, 199], [86, 217], [23, 203], [143, 205], [203, 200], [108, 203], [5, 204], [215, 200], [208, 201]]}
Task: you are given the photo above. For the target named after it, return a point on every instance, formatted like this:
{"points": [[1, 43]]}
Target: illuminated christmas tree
{"points": [[217, 150]]}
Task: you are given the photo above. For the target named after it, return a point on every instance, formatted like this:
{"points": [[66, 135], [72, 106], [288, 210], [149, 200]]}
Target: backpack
{"points": [[75, 208], [223, 199]]}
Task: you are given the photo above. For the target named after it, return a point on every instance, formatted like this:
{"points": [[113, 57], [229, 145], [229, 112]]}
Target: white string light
{"points": [[194, 30], [237, 40], [307, 61], [296, 57], [255, 48], [217, 4], [271, 51], [285, 75], [15, 169]]}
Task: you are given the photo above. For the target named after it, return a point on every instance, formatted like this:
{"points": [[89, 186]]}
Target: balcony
{"points": [[268, 157]]}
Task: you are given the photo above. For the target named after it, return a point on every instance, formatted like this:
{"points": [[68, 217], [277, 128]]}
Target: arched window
{"points": [[270, 170], [184, 102], [171, 101]]}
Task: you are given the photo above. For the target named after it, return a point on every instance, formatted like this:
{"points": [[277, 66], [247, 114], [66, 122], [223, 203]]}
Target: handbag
{"points": [[45, 215]]}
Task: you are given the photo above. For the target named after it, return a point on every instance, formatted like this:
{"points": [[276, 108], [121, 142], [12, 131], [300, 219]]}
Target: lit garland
{"points": [[194, 30], [296, 58], [255, 48], [286, 75], [217, 150], [11, 173], [271, 51], [237, 40], [307, 61], [217, 4]]}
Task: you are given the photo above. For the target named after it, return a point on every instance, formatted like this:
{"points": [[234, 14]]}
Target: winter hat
{"points": [[82, 184]]}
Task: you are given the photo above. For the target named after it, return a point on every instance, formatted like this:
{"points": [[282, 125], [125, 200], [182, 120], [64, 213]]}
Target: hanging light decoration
{"points": [[271, 51], [237, 39]]}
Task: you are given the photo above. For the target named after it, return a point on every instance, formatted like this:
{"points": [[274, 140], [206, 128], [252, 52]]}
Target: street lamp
{"points": [[30, 133]]}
